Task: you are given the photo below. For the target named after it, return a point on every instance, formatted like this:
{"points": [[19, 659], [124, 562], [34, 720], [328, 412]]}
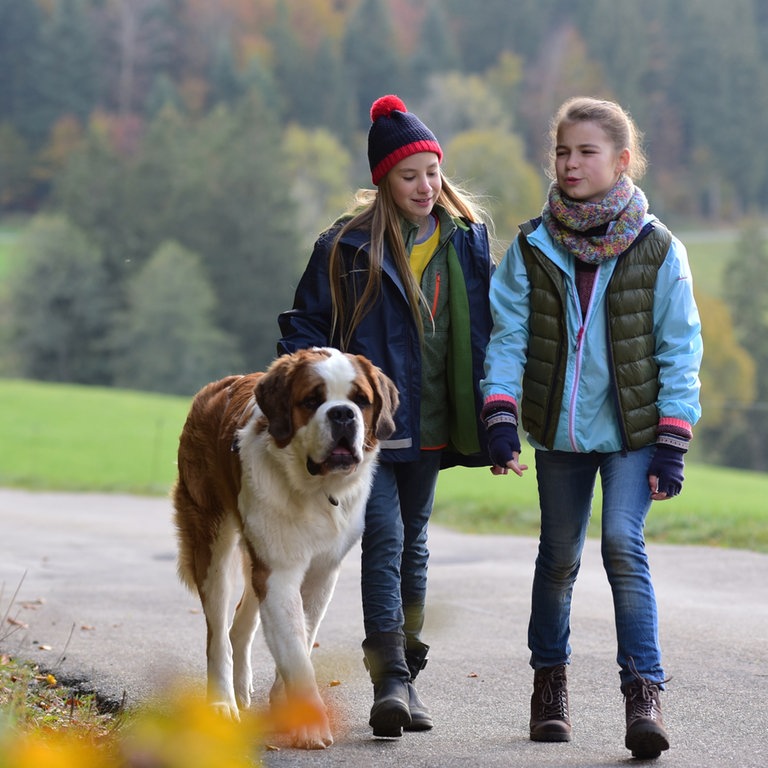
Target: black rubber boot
{"points": [[385, 662], [416, 659]]}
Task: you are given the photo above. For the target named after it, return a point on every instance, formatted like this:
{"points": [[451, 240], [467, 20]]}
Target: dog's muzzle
{"points": [[343, 426]]}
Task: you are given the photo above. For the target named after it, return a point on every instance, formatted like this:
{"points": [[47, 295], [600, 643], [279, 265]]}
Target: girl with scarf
{"points": [[596, 347]]}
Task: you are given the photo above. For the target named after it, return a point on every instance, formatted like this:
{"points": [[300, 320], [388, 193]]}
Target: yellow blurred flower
{"points": [[188, 733], [52, 750], [181, 731]]}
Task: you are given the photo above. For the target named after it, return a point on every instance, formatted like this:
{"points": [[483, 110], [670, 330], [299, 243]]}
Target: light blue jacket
{"points": [[588, 420]]}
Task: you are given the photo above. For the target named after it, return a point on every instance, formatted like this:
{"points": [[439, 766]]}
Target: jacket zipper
{"points": [[439, 248], [437, 295], [579, 354]]}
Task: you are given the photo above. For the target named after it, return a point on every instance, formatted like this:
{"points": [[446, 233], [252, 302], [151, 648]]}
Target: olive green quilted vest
{"points": [[631, 343]]}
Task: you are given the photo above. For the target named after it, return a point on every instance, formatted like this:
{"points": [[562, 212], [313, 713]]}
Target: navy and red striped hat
{"points": [[395, 134]]}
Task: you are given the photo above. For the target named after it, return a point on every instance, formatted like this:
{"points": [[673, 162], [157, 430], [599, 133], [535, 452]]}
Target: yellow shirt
{"points": [[422, 252]]}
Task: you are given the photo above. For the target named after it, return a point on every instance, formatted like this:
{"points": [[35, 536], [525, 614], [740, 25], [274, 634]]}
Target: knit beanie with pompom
{"points": [[395, 134]]}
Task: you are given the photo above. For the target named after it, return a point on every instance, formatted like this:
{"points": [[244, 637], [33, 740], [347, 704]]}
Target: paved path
{"points": [[103, 605]]}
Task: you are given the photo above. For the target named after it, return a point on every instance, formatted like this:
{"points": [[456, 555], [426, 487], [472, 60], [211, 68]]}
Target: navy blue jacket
{"points": [[388, 334]]}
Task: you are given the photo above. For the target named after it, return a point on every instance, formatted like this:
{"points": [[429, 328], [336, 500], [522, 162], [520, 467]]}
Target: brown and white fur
{"points": [[278, 465]]}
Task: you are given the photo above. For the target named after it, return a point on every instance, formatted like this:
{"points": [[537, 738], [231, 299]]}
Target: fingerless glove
{"points": [[667, 463], [501, 424]]}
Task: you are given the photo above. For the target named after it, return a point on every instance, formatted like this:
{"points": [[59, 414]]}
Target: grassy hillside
{"points": [[90, 439]]}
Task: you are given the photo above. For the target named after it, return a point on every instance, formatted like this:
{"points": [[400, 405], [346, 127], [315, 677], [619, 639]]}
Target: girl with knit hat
{"points": [[403, 278], [597, 338]]}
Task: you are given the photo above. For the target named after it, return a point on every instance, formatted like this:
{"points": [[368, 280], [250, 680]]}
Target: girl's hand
{"points": [[665, 473], [513, 464]]}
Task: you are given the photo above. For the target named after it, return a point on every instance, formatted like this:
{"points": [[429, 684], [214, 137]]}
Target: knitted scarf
{"points": [[582, 228]]}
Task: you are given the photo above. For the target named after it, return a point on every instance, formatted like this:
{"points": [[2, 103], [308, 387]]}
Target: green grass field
{"points": [[88, 438], [62, 437], [718, 507]]}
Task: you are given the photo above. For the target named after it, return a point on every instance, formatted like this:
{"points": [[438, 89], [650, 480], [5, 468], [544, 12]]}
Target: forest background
{"points": [[165, 165]]}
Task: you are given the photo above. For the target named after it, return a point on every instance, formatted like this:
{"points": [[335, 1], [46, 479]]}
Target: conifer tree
{"points": [[371, 56], [20, 27]]}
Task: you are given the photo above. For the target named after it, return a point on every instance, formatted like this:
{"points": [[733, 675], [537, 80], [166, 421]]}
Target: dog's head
{"points": [[337, 406]]}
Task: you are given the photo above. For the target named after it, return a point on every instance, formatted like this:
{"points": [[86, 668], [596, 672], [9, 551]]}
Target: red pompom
{"points": [[385, 105]]}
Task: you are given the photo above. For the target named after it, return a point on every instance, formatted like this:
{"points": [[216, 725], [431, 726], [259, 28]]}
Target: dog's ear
{"points": [[273, 396], [386, 399]]}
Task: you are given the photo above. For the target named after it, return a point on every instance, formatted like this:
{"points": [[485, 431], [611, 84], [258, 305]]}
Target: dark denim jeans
{"points": [[566, 486], [394, 548]]}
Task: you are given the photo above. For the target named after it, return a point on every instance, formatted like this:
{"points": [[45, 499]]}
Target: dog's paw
{"points": [[311, 738], [304, 720], [226, 710]]}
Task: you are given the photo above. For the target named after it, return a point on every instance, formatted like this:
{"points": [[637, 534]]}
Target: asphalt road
{"points": [[102, 604]]}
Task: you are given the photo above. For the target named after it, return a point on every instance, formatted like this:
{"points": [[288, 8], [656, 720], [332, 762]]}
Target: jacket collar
{"points": [[448, 225]]}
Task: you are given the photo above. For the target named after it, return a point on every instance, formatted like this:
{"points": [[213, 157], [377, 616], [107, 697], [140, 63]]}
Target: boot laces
{"points": [[553, 694], [642, 695]]}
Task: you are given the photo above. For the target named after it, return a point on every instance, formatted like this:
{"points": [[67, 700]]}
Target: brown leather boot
{"points": [[550, 720], [646, 736]]}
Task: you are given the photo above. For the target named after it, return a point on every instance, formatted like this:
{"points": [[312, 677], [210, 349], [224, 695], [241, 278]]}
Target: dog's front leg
{"points": [[285, 631], [316, 593]]}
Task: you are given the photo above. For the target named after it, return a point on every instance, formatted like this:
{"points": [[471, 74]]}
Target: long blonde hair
{"points": [[374, 211]]}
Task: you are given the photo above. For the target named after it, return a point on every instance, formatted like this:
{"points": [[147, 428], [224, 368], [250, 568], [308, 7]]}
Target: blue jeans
{"points": [[394, 548], [566, 486]]}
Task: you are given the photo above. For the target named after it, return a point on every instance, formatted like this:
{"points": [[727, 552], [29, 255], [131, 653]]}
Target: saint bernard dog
{"points": [[277, 465]]}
